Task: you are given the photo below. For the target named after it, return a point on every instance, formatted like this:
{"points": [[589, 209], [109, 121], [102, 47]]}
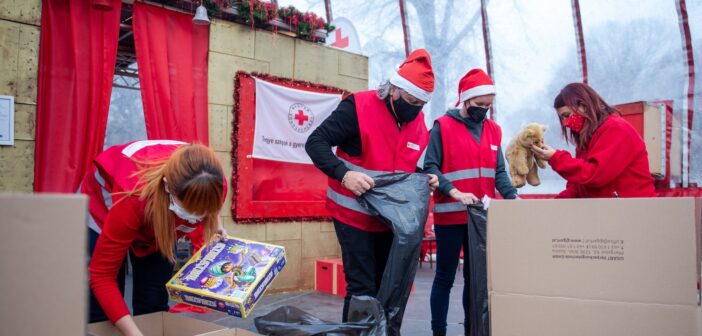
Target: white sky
{"points": [[534, 53]]}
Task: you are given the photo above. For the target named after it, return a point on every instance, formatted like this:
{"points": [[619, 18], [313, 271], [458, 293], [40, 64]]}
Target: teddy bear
{"points": [[522, 163]]}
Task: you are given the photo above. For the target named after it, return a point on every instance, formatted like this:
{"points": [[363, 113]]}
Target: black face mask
{"points": [[477, 113], [405, 111]]}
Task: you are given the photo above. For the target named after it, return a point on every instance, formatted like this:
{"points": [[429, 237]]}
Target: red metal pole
{"points": [[689, 94], [580, 38], [328, 8], [405, 29], [488, 48]]}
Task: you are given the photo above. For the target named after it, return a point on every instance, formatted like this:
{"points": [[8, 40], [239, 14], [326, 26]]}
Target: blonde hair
{"points": [[195, 177]]}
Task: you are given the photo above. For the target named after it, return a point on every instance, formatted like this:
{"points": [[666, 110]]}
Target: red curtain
{"points": [[78, 47], [172, 58]]}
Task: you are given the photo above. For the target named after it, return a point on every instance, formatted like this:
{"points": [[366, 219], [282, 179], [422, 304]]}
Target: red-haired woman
{"points": [[610, 156], [144, 196]]}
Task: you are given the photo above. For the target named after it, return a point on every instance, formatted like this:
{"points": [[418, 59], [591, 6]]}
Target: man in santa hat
{"points": [[376, 132], [465, 154]]}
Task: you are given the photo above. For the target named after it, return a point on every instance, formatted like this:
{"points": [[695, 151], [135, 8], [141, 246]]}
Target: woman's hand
{"points": [[221, 232], [433, 182], [464, 198], [127, 326], [544, 153]]}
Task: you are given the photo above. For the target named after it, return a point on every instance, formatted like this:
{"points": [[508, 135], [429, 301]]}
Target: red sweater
{"points": [[125, 227], [615, 161]]}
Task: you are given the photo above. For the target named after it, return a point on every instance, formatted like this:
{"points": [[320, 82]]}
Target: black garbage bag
{"points": [[290, 321], [400, 200], [478, 314]]}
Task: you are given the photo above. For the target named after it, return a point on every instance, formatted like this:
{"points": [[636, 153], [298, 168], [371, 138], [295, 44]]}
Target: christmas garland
{"points": [[260, 14], [235, 138], [303, 24]]}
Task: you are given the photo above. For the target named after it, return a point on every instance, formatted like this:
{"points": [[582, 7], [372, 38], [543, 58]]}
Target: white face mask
{"points": [[182, 213]]}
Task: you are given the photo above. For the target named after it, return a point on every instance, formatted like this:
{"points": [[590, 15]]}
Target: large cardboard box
{"points": [[43, 282], [660, 130], [229, 276], [165, 324], [595, 267]]}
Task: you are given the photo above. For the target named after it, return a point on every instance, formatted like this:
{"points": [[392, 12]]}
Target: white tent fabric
{"points": [[634, 51]]}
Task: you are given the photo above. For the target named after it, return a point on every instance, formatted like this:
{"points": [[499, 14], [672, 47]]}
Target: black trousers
{"points": [[364, 255], [150, 275]]}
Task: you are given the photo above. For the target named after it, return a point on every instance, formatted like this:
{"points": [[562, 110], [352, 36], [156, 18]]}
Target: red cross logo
{"points": [[301, 117], [341, 42]]}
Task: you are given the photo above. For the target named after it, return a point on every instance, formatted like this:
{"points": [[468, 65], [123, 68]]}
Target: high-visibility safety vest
{"points": [[469, 165], [385, 148], [113, 172]]}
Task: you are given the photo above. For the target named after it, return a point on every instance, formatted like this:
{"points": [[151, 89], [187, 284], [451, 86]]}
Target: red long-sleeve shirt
{"points": [[125, 228], [615, 163]]}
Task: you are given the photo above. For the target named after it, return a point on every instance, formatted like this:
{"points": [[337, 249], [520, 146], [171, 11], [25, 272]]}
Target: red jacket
{"points": [[469, 165], [615, 163], [120, 220], [384, 149]]}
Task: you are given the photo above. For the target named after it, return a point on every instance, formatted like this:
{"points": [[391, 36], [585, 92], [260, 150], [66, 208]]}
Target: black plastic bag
{"points": [[478, 314], [290, 321], [400, 200]]}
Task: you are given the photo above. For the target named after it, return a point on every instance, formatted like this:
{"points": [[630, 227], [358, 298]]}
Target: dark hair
{"points": [[584, 100]]}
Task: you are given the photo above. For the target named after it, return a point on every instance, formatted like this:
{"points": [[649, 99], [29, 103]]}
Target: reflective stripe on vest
{"points": [[346, 202], [138, 145], [470, 173], [106, 196], [371, 173]]}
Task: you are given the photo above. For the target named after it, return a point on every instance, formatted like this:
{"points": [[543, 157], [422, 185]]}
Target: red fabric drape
{"points": [[78, 47], [172, 59]]}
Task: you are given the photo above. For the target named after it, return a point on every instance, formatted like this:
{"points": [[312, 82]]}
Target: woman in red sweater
{"points": [[610, 156], [143, 197]]}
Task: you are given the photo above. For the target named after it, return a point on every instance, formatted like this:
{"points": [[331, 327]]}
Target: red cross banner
{"points": [[285, 117]]}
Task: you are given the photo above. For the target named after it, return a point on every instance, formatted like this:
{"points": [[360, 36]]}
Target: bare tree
{"points": [[442, 41], [443, 28]]}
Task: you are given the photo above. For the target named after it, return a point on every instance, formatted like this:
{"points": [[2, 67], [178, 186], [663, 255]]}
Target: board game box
{"points": [[229, 276]]}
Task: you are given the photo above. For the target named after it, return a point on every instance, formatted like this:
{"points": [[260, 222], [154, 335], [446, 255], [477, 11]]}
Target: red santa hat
{"points": [[475, 83], [415, 75]]}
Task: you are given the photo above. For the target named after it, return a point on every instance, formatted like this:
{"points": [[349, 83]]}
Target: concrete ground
{"points": [[417, 320]]}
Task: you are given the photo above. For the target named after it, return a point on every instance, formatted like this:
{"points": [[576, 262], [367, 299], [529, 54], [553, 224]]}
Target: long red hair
{"points": [[195, 177], [584, 100]]}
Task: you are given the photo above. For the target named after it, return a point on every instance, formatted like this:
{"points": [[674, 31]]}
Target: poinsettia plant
{"points": [[303, 24], [258, 11]]}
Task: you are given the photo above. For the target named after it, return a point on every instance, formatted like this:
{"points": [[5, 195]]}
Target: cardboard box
{"points": [[230, 276], [595, 266], [44, 277], [341, 280], [165, 324], [329, 276], [514, 314], [649, 120]]}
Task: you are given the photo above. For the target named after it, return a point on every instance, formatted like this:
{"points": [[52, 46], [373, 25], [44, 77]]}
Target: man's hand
{"points": [[464, 198], [357, 182], [433, 182]]}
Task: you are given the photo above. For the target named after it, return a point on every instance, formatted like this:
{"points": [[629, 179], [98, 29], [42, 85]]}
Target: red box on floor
{"points": [[326, 275], [340, 280], [330, 277]]}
